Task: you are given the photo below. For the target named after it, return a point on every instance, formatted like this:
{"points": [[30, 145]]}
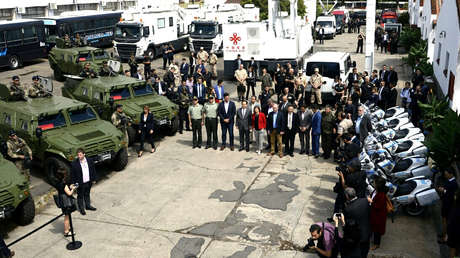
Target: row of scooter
{"points": [[395, 152]]}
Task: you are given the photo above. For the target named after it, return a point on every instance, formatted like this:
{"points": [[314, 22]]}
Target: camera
{"points": [[338, 215], [124, 121], [310, 244], [341, 168], [76, 185]]}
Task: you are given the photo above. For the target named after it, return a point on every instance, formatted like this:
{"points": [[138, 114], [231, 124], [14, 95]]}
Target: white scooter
{"points": [[413, 133], [406, 148]]}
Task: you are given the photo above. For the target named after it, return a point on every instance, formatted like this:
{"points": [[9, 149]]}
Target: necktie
{"points": [[199, 90], [290, 122]]}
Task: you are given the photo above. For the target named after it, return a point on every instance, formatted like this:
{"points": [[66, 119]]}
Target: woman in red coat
{"points": [[379, 212], [259, 123]]}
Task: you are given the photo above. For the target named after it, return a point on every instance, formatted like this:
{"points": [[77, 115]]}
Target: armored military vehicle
{"points": [[15, 199], [103, 93], [55, 127], [71, 60]]}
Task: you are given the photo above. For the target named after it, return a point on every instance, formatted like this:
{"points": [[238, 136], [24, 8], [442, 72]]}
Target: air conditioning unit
{"points": [[21, 10], [53, 6]]}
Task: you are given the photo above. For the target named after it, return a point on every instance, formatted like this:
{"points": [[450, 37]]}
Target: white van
{"points": [[330, 64], [329, 25]]}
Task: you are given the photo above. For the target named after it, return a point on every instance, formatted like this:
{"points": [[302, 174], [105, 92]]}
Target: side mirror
{"points": [[38, 132], [111, 102], [145, 31]]}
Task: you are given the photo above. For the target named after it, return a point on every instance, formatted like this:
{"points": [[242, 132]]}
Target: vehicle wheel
{"points": [[25, 212], [414, 209], [174, 126], [58, 74], [131, 135], [52, 164], [151, 53], [14, 62], [121, 160]]}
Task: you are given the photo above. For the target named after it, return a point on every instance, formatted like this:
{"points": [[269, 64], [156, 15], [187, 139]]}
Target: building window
{"points": [[34, 12], [446, 65], [451, 86], [81, 7], [171, 21], [439, 53], [6, 14], [64, 8], [161, 23]]}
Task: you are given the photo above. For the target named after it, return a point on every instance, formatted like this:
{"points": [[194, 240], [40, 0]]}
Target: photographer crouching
{"points": [[327, 237]]}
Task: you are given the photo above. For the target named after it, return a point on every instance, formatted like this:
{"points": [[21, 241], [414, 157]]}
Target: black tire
{"points": [[14, 62], [151, 52], [58, 74], [131, 135], [414, 209], [51, 167], [174, 126], [25, 212], [121, 160]]}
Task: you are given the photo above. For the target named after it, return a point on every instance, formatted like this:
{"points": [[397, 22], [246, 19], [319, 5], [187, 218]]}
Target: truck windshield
{"points": [[142, 90], [100, 54], [326, 69], [204, 29], [118, 94], [81, 115], [324, 24], [389, 20], [123, 31], [48, 122]]}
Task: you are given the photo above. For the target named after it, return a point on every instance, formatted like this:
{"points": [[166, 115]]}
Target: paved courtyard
{"points": [[206, 203]]}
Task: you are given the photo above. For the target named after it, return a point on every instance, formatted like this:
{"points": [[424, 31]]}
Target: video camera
{"points": [[309, 245]]}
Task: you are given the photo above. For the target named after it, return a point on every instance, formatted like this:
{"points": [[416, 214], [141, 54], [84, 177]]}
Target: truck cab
{"points": [[328, 23], [206, 34]]}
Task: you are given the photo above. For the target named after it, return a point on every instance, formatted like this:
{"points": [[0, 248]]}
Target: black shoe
{"points": [[193, 147], [215, 147], [188, 129], [292, 154], [83, 212], [247, 150], [207, 147], [307, 153], [302, 152], [91, 208], [316, 156], [180, 132], [199, 146], [240, 149]]}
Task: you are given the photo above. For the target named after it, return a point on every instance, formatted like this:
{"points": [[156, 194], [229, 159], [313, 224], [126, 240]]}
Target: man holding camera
{"points": [[19, 152], [326, 235], [121, 121]]}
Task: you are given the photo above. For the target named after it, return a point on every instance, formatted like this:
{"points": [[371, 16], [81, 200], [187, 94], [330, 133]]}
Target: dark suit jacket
{"points": [[255, 65], [393, 77], [295, 123], [148, 124], [237, 63], [279, 121], [227, 115], [203, 91], [243, 123], [364, 128], [184, 68], [316, 123], [163, 87], [351, 79], [392, 97], [359, 211], [77, 174], [384, 76], [383, 96], [306, 121]]}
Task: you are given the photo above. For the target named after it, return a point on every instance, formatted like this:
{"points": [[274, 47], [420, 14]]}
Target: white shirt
{"points": [[226, 106], [199, 91], [290, 121], [85, 170], [243, 112], [160, 90]]}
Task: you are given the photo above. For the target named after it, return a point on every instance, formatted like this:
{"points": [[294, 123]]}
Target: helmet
{"points": [[11, 132]]}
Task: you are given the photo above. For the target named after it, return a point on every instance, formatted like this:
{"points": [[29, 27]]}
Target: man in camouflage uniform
{"points": [[87, 72], [19, 152], [121, 121], [327, 131], [106, 70], [16, 91], [67, 41], [132, 65], [37, 90], [78, 42]]}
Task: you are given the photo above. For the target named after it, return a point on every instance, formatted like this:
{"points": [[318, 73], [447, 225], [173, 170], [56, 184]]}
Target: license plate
{"points": [[106, 156], [163, 122]]}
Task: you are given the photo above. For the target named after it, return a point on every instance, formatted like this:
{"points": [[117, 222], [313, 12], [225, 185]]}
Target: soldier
{"points": [[121, 121], [19, 152], [147, 66], [78, 42], [327, 131], [202, 55], [132, 65], [183, 101], [67, 41], [106, 70], [87, 72], [37, 90], [16, 91], [213, 63], [195, 117]]}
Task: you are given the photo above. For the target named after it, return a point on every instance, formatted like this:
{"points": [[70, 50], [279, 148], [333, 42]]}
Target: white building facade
{"points": [[428, 22], [446, 51], [10, 10]]}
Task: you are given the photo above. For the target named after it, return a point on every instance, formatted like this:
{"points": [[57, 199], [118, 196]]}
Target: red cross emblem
{"points": [[235, 38]]}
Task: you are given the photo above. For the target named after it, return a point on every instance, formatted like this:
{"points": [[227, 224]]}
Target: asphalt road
{"points": [[181, 201]]}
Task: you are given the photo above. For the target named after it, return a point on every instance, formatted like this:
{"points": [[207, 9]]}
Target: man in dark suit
{"points": [[363, 125], [447, 193], [383, 74], [84, 173], [184, 68], [357, 212], [255, 66], [160, 87], [238, 61], [243, 121], [352, 77], [226, 112], [275, 128], [305, 115], [384, 92], [315, 131], [290, 129], [392, 76], [199, 91]]}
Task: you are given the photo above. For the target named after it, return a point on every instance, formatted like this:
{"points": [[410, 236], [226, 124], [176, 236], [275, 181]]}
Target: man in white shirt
{"points": [[83, 173]]}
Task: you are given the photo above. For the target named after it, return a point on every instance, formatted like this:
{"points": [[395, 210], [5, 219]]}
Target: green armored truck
{"points": [[103, 93], [15, 199], [55, 127], [70, 61]]}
